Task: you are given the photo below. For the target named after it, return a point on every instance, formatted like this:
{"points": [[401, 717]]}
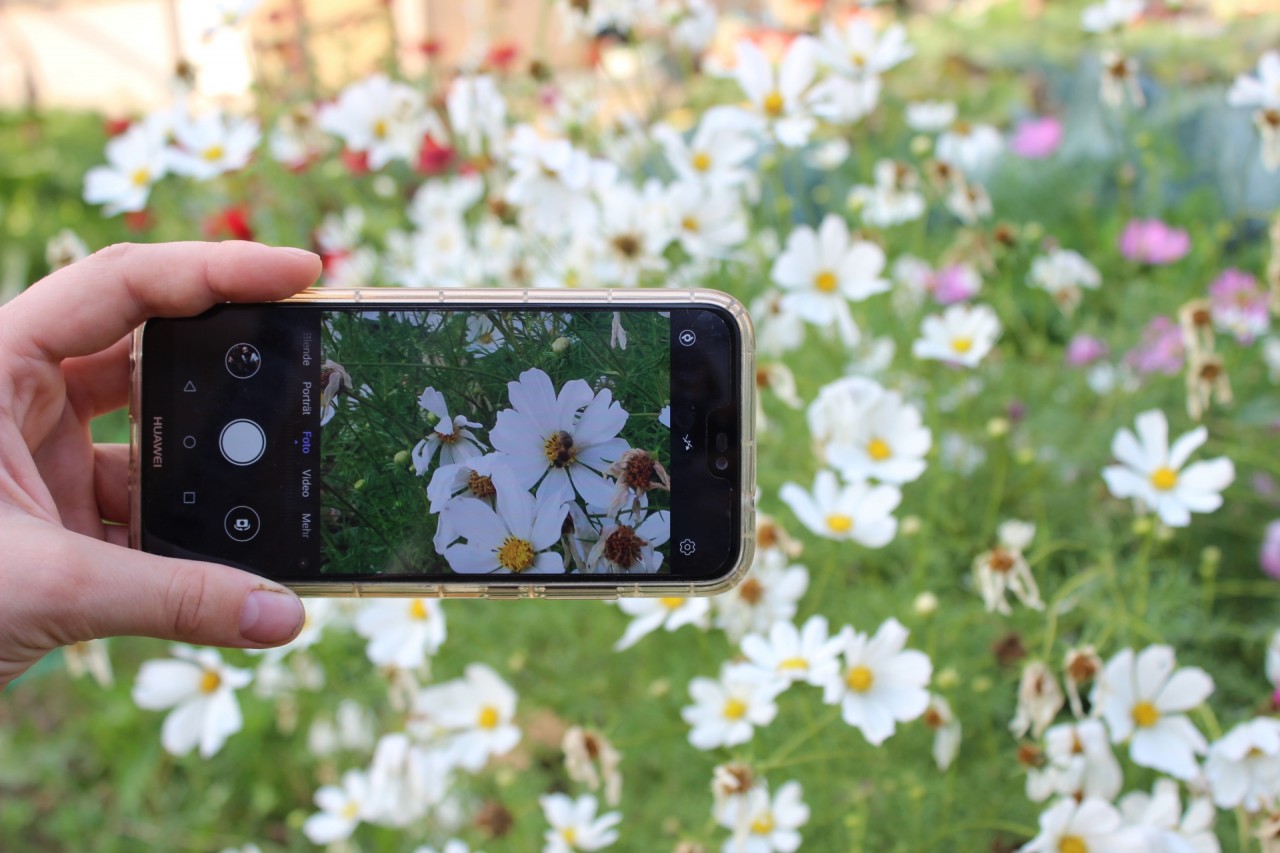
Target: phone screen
{"points": [[366, 442]]}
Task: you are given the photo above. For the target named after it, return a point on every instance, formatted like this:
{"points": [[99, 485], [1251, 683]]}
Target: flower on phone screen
{"points": [[516, 538], [450, 435]]}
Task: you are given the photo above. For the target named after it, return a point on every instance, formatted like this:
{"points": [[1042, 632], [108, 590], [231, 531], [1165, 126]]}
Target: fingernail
{"points": [[270, 617], [301, 253]]}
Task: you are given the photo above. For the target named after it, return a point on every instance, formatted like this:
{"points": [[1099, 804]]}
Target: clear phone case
{"points": [[508, 586]]}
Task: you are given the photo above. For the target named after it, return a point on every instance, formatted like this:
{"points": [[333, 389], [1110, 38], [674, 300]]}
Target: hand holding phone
{"points": [[65, 575]]}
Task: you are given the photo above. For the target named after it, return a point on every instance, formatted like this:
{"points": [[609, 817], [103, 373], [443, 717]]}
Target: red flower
{"points": [[115, 126], [434, 158], [502, 56], [356, 162], [431, 48], [232, 222], [138, 220]]}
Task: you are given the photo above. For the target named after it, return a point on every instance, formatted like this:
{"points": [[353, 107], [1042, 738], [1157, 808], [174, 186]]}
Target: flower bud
{"points": [[925, 604]]}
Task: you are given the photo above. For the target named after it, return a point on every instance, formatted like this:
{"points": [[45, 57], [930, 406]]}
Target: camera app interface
{"points": [[345, 443]]}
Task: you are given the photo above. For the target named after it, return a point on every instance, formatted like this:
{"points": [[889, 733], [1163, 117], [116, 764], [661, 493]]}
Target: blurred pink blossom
{"points": [[1239, 306], [955, 283], [1161, 349], [1150, 241], [1085, 350], [1037, 138], [1269, 556]]}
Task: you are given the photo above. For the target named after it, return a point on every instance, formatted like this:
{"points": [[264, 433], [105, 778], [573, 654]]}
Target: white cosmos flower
{"points": [[200, 689], [930, 116], [719, 153], [561, 439], [971, 148], [1243, 767], [136, 159], [823, 270], [552, 182], [477, 113], [1080, 764], [1091, 826], [450, 436], [1062, 273], [1004, 569], [779, 327], [1039, 700], [627, 547], [341, 809], [1151, 472], [844, 100], [708, 223], [574, 825], [962, 334], [212, 145], [892, 199], [445, 199], [868, 432], [947, 731], [880, 683], [401, 632], [727, 710], [634, 228], [857, 50], [297, 138], [777, 95], [379, 117], [858, 511], [1144, 701], [469, 480], [769, 593], [650, 614], [1261, 90], [771, 823], [477, 712], [1111, 15], [514, 539], [405, 781], [793, 654], [969, 201], [1166, 828]]}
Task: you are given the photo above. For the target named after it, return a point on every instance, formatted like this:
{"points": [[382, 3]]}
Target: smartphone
{"points": [[452, 443]]}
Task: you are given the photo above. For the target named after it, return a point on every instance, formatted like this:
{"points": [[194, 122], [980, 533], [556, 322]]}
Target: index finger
{"points": [[90, 305]]}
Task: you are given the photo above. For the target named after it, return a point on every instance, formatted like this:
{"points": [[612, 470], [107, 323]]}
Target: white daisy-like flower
{"points": [[764, 824], [844, 100], [560, 440], [1144, 701], [892, 200], [777, 95], [591, 759], [1079, 764], [384, 119], [717, 156], [470, 480], [477, 113], [1165, 826], [1091, 826], [634, 229], [445, 199], [401, 632], [650, 614], [212, 145], [726, 711], [969, 201], [881, 683], [341, 809], [947, 731], [971, 148], [552, 182], [405, 781], [769, 593], [1004, 569], [1243, 767], [574, 824], [297, 139], [1119, 83], [513, 537], [793, 654], [1111, 15], [1063, 273], [930, 116], [779, 327], [708, 223], [868, 432], [477, 713], [136, 159], [350, 729], [627, 547], [1151, 471], [857, 50], [858, 511], [200, 689], [962, 334], [1261, 90], [450, 436], [823, 270], [1039, 700]]}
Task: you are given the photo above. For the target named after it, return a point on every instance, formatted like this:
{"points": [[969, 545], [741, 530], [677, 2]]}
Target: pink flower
{"points": [[1085, 350], [955, 283], [1037, 138], [1269, 556], [1238, 306], [1150, 241], [1161, 349]]}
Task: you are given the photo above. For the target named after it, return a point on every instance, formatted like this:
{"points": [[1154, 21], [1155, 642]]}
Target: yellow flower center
{"points": [[701, 161], [735, 709], [1072, 844], [1164, 478], [380, 129], [838, 523], [857, 60], [214, 153], [690, 223], [859, 679], [762, 825], [516, 554], [878, 449], [210, 681], [826, 281], [773, 104], [671, 603], [1145, 715], [488, 717], [351, 810], [141, 177], [559, 449], [962, 345], [418, 610], [792, 664], [570, 835]]}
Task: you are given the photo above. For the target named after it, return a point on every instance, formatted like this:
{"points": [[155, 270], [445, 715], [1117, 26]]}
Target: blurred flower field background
{"points": [[1013, 269]]}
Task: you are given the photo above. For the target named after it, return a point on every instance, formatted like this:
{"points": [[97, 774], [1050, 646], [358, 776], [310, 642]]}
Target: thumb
{"points": [[96, 589]]}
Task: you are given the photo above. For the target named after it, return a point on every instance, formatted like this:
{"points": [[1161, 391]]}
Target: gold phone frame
{"points": [[504, 586]]}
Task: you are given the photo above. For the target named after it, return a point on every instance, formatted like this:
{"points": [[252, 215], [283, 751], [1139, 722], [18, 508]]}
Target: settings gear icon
{"points": [[687, 547]]}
